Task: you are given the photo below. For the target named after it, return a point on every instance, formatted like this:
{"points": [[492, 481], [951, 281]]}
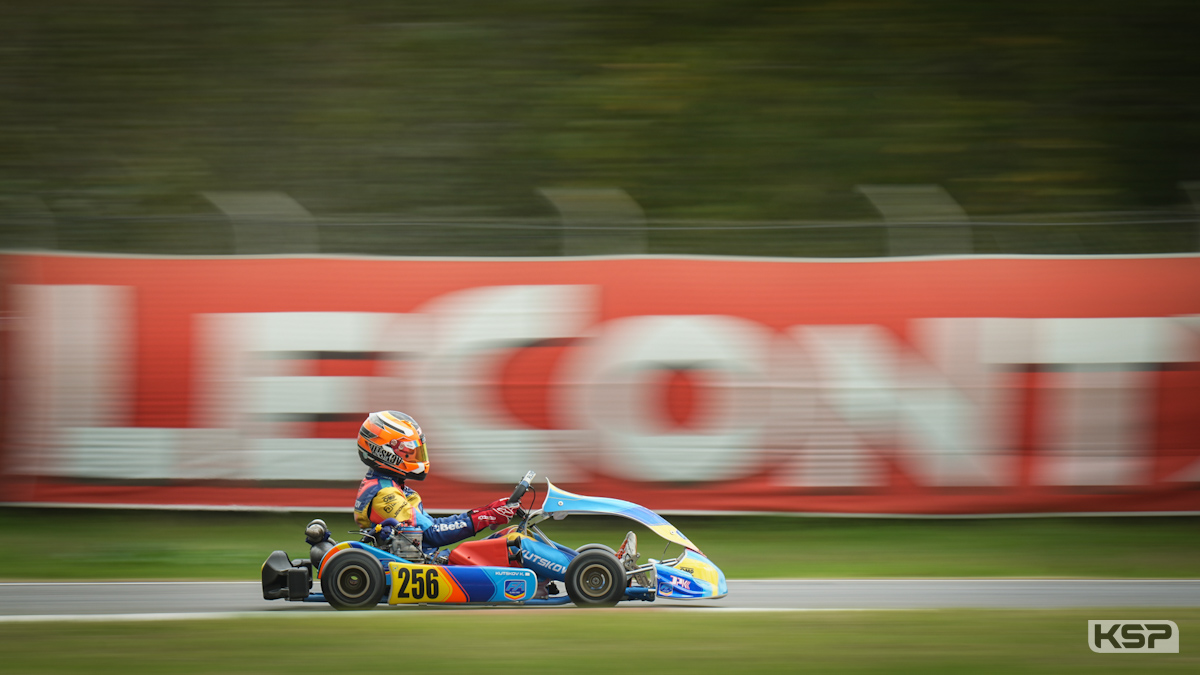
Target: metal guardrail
{"points": [[1172, 230]]}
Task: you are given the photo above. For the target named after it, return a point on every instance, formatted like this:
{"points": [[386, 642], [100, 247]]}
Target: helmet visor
{"points": [[410, 451]]}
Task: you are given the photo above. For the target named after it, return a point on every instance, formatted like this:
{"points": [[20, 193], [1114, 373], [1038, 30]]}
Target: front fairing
{"points": [[560, 504], [691, 577]]}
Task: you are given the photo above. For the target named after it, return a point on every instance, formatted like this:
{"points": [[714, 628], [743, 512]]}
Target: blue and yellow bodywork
{"points": [[485, 580], [414, 583]]}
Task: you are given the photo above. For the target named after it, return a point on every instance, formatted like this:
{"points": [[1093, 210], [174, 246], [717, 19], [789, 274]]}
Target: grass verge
{"points": [[583, 641], [64, 544]]}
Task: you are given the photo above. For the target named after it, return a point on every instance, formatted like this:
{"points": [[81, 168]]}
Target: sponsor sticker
{"points": [[515, 589], [383, 453], [543, 563]]}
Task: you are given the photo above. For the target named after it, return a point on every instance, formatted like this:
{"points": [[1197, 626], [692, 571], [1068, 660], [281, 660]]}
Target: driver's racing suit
{"points": [[381, 497]]}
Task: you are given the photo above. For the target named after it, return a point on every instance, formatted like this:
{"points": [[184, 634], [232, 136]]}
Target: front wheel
{"points": [[353, 580], [595, 578], [596, 547]]}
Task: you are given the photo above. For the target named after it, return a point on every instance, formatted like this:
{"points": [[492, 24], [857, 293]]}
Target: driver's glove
{"points": [[384, 530], [493, 515]]}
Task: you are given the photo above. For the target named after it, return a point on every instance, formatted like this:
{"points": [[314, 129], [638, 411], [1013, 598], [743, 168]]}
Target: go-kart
{"points": [[516, 565]]}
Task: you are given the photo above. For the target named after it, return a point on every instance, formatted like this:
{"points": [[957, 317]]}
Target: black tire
{"points": [[595, 578], [353, 580], [596, 547]]}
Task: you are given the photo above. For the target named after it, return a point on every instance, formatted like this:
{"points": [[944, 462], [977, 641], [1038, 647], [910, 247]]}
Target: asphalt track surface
{"points": [[42, 601]]}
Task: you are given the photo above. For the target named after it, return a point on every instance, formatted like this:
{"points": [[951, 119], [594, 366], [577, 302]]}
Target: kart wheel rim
{"points": [[595, 580], [353, 581]]}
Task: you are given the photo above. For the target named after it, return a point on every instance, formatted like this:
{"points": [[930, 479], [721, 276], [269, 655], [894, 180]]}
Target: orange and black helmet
{"points": [[392, 443]]}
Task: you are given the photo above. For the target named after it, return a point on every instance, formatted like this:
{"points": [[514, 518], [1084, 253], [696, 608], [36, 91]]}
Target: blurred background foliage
{"points": [[410, 125]]}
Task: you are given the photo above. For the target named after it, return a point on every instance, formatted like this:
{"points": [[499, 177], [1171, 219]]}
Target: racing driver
{"points": [[392, 445]]}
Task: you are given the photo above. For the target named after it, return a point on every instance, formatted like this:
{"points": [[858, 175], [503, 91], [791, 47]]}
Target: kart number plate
{"points": [[419, 583]]}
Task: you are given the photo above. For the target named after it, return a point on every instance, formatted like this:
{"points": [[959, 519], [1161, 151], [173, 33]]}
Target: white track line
{"points": [[201, 616], [123, 583], [162, 616]]}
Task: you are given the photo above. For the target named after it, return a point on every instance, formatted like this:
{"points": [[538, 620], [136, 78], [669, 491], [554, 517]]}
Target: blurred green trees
{"points": [[752, 110]]}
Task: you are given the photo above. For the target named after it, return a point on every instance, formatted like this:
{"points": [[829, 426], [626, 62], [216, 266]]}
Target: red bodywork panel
{"points": [[491, 552]]}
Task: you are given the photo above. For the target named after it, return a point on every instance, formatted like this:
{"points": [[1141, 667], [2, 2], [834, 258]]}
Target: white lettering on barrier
{"points": [[73, 369], [1095, 420], [255, 376], [458, 401], [613, 378], [868, 391], [816, 404]]}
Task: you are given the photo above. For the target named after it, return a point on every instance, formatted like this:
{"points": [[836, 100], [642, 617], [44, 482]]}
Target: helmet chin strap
{"points": [[391, 474]]}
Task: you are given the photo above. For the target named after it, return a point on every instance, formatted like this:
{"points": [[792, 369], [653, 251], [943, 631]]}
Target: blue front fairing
{"points": [[691, 577], [560, 503]]}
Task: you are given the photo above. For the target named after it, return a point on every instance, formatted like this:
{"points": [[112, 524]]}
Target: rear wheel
{"points": [[352, 580], [595, 578]]}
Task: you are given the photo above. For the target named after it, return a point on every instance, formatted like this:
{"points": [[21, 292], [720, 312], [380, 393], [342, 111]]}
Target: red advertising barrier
{"points": [[907, 386]]}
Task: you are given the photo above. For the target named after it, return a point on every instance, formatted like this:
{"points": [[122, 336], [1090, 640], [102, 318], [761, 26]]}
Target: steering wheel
{"points": [[519, 492]]}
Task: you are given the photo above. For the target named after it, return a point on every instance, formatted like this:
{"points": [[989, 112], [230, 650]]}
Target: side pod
{"points": [[286, 579]]}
